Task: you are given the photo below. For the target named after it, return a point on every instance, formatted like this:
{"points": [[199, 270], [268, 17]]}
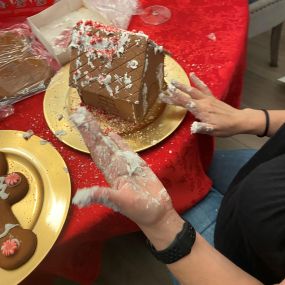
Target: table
{"points": [[179, 161]]}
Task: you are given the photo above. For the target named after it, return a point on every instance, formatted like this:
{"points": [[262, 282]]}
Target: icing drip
{"points": [[78, 62], [3, 187], [157, 49], [159, 75], [7, 229], [144, 96], [146, 64], [133, 64]]}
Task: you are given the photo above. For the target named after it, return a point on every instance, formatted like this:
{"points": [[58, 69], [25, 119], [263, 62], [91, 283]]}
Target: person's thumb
{"points": [[101, 195]]}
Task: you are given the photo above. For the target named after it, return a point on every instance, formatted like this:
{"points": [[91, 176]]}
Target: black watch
{"points": [[180, 247]]}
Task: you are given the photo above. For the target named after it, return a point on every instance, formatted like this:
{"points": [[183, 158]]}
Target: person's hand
{"points": [[215, 117], [135, 190]]}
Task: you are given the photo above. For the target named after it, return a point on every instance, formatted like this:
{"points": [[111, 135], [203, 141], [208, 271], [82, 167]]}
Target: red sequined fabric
{"points": [[180, 160]]}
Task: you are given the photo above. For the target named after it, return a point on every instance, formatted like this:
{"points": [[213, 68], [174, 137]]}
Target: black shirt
{"points": [[250, 228]]}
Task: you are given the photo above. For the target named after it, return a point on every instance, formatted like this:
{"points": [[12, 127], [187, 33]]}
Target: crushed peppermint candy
{"points": [[212, 37]]}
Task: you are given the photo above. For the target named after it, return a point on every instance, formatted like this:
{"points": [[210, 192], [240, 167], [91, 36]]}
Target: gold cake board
{"points": [[61, 100], [44, 208]]}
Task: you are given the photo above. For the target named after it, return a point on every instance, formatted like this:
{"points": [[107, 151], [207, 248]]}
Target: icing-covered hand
{"points": [[135, 190], [215, 117]]}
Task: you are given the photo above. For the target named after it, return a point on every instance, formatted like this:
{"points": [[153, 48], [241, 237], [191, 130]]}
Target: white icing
{"points": [[157, 49], [133, 64], [124, 39], [28, 134], [78, 62], [7, 228], [3, 187], [144, 97], [198, 127], [85, 197], [171, 87], [146, 64], [59, 133], [127, 80], [133, 161], [117, 89], [79, 117], [159, 75]]}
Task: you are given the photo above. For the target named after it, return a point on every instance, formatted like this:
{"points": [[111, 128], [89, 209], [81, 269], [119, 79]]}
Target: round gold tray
{"points": [[44, 208], [61, 100]]}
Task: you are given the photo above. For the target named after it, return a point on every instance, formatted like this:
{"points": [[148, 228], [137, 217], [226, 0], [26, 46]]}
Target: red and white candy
{"points": [[12, 179], [10, 246]]}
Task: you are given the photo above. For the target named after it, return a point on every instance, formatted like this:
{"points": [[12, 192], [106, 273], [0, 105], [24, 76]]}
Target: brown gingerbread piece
{"points": [[17, 245], [3, 164], [22, 71]]}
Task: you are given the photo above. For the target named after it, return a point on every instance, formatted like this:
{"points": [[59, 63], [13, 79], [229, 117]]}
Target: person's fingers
{"points": [[101, 147], [102, 195], [201, 128], [179, 99], [200, 84], [119, 141], [174, 97], [192, 91]]}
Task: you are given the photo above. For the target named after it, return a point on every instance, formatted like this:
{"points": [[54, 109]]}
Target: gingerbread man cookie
{"points": [[17, 245]]}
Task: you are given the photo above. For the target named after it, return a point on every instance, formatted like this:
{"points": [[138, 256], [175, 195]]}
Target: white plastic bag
{"points": [[119, 12]]}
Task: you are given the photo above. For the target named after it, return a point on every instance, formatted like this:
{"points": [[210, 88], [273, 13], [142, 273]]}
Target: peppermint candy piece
{"points": [[10, 246], [12, 179]]}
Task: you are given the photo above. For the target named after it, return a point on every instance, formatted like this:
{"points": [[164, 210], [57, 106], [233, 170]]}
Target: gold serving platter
{"points": [[44, 208], [61, 100]]}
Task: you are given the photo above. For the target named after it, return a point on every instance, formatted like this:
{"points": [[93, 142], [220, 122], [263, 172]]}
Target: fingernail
{"points": [[191, 74]]}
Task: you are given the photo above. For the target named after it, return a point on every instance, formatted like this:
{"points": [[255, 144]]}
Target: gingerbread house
{"points": [[119, 71]]}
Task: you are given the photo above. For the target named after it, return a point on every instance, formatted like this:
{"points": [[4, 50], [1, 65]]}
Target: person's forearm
{"points": [[204, 265], [253, 121]]}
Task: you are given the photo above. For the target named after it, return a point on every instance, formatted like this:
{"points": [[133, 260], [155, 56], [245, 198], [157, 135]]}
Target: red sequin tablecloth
{"points": [[180, 160]]}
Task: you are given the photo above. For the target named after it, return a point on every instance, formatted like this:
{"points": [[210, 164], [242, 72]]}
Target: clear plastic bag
{"points": [[25, 66], [6, 111], [119, 12]]}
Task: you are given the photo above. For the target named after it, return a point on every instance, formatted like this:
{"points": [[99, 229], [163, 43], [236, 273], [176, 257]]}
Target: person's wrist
{"points": [[162, 233], [252, 121]]}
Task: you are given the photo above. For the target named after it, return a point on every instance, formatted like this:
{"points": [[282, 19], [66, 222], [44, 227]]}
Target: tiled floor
{"points": [[126, 259]]}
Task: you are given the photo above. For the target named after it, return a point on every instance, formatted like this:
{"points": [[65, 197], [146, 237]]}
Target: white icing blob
{"points": [[7, 228], [86, 196], [133, 64], [79, 117]]}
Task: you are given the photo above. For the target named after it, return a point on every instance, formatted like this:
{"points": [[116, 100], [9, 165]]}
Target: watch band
{"points": [[180, 247]]}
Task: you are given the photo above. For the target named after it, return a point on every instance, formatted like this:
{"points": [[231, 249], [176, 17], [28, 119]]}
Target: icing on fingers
{"points": [[86, 196], [199, 127]]}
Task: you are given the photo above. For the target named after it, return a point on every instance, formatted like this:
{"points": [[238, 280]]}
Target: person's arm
{"points": [[138, 194], [216, 117], [204, 265]]}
